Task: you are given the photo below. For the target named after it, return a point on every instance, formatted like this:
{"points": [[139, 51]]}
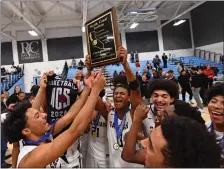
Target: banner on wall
{"points": [[30, 51]]}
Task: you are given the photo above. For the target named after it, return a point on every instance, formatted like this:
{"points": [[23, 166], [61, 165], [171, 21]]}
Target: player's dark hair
{"points": [[120, 80], [16, 121], [182, 108], [216, 90], [189, 144], [167, 85], [126, 87]]}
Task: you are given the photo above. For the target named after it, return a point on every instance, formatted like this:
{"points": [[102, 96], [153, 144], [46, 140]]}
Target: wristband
{"points": [[133, 85]]}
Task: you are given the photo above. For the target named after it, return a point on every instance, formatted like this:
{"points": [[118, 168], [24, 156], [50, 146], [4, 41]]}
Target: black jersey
{"points": [[61, 94]]}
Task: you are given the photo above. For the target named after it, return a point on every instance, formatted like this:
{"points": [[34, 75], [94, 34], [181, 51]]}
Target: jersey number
{"points": [[121, 141], [97, 132]]}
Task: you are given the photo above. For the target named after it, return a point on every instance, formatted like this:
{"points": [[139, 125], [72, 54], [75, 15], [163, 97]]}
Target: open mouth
{"points": [[160, 105], [217, 114], [118, 101], [45, 122]]}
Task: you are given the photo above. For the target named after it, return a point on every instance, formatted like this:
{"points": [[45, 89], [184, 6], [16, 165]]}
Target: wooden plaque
{"points": [[103, 38]]}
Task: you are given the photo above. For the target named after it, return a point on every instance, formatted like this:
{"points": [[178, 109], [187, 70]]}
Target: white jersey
{"points": [[115, 155], [219, 135], [98, 143], [149, 122], [24, 150], [71, 158]]}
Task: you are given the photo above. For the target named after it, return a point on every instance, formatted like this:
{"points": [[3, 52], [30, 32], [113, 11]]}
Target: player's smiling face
{"points": [[161, 99], [216, 109], [36, 123], [121, 98]]}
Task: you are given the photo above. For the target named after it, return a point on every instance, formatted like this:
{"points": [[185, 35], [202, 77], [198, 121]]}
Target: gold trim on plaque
{"points": [[110, 12]]}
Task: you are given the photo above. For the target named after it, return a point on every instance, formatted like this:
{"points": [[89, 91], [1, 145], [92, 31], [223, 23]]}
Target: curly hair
{"points": [[189, 144], [16, 122], [167, 85], [216, 90], [182, 108]]}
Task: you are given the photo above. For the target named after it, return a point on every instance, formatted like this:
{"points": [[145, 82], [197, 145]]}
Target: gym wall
{"points": [[6, 53], [146, 41], [208, 26], [65, 48], [176, 37]]}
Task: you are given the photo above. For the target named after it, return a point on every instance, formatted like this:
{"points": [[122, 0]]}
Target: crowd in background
{"points": [[195, 81]]}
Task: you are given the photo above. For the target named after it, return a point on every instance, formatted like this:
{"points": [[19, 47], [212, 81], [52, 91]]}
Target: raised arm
{"points": [[60, 144], [88, 66], [133, 82], [129, 153], [100, 105], [41, 95]]}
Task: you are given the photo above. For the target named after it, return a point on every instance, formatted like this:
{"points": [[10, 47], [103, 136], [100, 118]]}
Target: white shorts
{"points": [[92, 162]]}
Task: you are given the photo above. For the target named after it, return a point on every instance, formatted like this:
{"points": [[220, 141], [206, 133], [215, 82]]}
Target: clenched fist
{"points": [[141, 112]]}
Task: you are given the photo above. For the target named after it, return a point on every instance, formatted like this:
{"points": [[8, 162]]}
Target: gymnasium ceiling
{"points": [[23, 15]]}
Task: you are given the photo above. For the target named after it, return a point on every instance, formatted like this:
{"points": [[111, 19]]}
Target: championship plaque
{"points": [[103, 38]]}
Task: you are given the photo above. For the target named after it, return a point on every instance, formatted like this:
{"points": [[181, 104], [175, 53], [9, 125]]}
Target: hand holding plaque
{"points": [[122, 55], [103, 38]]}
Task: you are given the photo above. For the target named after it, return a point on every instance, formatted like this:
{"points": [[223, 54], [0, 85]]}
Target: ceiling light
{"points": [[133, 12], [134, 25], [33, 33], [179, 22], [83, 29]]}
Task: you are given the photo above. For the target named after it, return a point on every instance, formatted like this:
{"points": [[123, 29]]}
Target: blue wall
{"points": [[20, 83]]}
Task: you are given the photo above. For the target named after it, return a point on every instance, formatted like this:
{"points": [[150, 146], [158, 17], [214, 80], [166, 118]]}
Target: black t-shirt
{"points": [[61, 94]]}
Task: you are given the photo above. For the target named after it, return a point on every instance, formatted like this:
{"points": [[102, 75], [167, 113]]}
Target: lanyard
{"points": [[42, 139], [221, 141], [154, 112], [119, 129]]}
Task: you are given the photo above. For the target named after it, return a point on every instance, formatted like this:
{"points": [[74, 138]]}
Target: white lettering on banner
{"points": [[58, 114], [60, 98], [30, 50], [58, 105], [66, 94], [62, 83]]}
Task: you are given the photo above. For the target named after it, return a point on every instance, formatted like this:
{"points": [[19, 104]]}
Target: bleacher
{"points": [[172, 65], [11, 80]]}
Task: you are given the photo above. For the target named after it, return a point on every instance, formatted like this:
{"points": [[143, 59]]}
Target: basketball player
{"points": [[119, 120], [216, 111], [163, 93], [179, 142], [29, 124], [98, 150], [69, 95], [179, 108]]}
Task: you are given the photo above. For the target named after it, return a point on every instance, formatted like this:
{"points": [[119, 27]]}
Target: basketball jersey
{"points": [[149, 122], [25, 149], [61, 95], [98, 143], [115, 155], [219, 136]]}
